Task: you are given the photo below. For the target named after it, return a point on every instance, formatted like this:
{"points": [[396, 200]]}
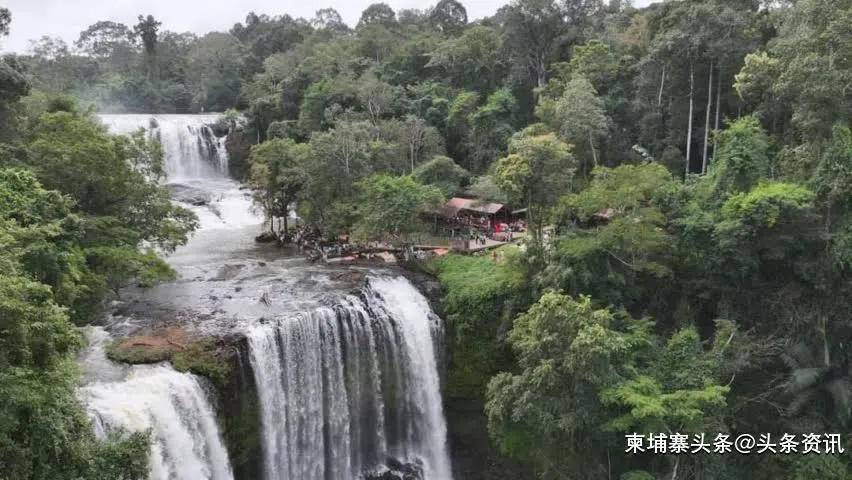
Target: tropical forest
{"points": [[566, 240]]}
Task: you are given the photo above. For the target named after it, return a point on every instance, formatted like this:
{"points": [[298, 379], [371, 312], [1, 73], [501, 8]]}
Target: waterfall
{"points": [[347, 390], [173, 406], [191, 149]]}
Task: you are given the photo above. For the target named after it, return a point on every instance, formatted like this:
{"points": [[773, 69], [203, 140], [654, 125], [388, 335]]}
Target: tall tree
{"points": [[278, 175], [378, 14], [532, 30], [579, 118], [147, 29], [105, 38], [538, 169], [448, 16]]}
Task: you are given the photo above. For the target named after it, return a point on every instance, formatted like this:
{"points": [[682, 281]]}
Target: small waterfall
{"points": [[345, 390], [192, 151], [173, 406]]}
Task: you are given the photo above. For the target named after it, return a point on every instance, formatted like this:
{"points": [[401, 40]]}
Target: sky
{"points": [[32, 19]]}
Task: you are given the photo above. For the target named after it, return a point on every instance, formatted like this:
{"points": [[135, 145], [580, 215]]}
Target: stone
{"points": [[188, 194], [228, 272], [266, 237]]}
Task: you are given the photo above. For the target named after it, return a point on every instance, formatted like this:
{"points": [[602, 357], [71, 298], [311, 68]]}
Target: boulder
{"points": [[228, 272], [188, 194], [396, 470], [266, 237]]}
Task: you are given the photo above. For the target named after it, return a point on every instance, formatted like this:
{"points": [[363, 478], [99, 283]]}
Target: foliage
{"points": [[742, 157], [393, 206], [538, 168], [43, 431], [578, 116], [278, 175], [443, 173], [612, 236], [567, 353], [745, 269], [482, 297]]}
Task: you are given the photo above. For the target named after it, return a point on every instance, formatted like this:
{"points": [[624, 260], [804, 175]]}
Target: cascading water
{"points": [[191, 149], [344, 389], [173, 406], [344, 392], [185, 440]]}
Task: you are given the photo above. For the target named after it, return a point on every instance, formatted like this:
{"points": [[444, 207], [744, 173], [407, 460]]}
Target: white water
{"points": [[173, 406], [343, 389], [191, 150]]}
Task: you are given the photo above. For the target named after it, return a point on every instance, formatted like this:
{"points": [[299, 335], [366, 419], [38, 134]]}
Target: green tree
{"points": [[106, 40], [579, 118], [390, 208], [106, 175], [804, 69], [448, 16], [44, 433], [568, 352], [532, 30], [612, 241], [491, 127], [378, 14], [5, 21], [329, 19], [278, 175], [214, 68], [147, 29], [537, 171], [742, 158], [442, 172], [472, 60]]}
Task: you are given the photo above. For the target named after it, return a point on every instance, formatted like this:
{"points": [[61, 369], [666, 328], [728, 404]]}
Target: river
{"points": [[345, 371]]}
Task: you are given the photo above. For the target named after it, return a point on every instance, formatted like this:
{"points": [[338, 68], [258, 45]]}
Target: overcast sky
{"points": [[31, 19]]}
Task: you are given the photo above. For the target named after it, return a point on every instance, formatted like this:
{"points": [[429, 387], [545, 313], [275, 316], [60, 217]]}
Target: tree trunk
{"points": [[286, 229], [531, 225], [662, 84], [541, 72], [689, 126], [718, 107], [592, 146], [707, 120], [674, 470]]}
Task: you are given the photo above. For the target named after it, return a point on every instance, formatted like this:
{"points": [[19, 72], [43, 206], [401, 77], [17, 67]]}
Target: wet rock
{"points": [[266, 237], [397, 470], [220, 129], [188, 194], [228, 272], [353, 276], [214, 210]]}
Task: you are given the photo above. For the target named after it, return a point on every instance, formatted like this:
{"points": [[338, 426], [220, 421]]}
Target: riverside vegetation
{"points": [[713, 296]]}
